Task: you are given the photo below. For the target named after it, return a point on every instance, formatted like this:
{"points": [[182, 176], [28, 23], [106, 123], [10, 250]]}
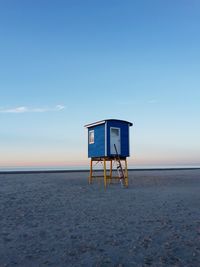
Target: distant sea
{"points": [[97, 167]]}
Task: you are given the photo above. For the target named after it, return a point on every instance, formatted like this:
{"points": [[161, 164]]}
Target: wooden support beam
{"points": [[110, 171], [126, 173], [90, 177], [105, 177]]}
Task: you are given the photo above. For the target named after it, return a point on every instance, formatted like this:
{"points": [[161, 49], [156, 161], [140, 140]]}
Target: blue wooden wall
{"points": [[98, 148]]}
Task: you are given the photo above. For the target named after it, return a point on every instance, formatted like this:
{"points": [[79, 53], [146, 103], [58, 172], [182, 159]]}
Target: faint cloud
{"points": [[14, 110], [60, 107], [24, 109]]}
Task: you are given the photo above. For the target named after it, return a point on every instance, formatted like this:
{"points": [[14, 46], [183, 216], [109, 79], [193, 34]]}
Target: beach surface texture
{"points": [[57, 219]]}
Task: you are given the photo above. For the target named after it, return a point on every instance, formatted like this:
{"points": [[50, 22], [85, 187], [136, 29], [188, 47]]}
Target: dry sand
{"points": [[57, 219]]}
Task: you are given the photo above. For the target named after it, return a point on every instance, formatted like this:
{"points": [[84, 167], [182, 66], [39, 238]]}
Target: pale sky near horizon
{"points": [[64, 64]]}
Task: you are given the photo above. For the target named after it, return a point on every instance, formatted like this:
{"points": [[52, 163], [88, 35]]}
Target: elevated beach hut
{"points": [[109, 140]]}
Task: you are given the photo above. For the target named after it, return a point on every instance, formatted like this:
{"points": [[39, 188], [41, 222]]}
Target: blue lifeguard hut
{"points": [[109, 140]]}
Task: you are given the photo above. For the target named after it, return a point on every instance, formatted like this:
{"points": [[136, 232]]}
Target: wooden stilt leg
{"points": [[90, 177], [126, 173], [105, 178], [111, 171]]}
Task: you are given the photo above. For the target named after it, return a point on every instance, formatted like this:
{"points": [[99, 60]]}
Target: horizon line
{"points": [[97, 170]]}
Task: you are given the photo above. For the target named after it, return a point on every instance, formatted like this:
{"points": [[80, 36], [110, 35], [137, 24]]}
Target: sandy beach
{"points": [[57, 219]]}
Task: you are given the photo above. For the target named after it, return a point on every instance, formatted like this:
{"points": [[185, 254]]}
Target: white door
{"points": [[115, 140]]}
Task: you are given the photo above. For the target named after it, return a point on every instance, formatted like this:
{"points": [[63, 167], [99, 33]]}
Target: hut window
{"points": [[91, 137]]}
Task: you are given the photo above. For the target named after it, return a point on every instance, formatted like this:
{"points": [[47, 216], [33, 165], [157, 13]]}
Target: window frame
{"points": [[89, 137]]}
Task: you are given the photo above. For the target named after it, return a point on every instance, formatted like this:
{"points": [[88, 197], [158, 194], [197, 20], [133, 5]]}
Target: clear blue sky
{"points": [[67, 63]]}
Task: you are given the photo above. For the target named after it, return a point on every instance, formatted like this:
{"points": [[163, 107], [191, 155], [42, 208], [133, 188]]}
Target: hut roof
{"points": [[104, 121]]}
